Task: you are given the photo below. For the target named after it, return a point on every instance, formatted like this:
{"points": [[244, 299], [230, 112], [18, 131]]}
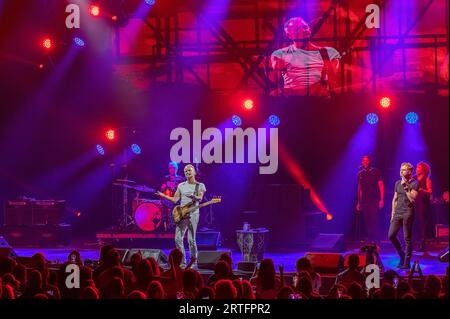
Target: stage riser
{"points": [[37, 235]]}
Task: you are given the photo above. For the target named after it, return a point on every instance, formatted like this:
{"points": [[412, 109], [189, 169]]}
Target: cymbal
{"points": [[143, 188], [125, 181], [123, 185]]}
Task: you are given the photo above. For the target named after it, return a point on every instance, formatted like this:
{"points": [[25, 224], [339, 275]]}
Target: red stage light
{"points": [[47, 43], [114, 18], [385, 102], [110, 135], [41, 66], [95, 10], [248, 104]]}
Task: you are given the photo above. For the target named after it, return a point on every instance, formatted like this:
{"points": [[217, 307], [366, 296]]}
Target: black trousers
{"points": [[371, 216], [406, 221], [423, 214]]}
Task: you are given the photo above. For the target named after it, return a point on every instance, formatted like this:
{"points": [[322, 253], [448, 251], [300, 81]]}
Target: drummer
{"points": [[172, 180], [169, 187]]}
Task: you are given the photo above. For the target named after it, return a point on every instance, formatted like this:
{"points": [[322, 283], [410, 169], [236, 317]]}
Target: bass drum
{"points": [[148, 216]]}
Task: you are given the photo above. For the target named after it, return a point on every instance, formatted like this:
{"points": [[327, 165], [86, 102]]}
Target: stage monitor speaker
{"points": [[247, 266], [362, 260], [327, 263], [159, 255], [5, 249], [328, 243], [208, 240], [207, 258], [443, 255]]}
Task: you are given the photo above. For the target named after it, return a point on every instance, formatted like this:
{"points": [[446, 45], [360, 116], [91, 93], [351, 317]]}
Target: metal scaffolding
{"points": [[173, 60]]}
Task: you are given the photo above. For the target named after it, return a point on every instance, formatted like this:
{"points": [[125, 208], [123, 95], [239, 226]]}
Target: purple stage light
{"points": [[136, 149], [412, 118], [372, 118], [237, 121], [274, 120], [100, 149], [79, 41]]}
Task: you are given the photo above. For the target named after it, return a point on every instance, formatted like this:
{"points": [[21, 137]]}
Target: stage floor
{"points": [[428, 261]]}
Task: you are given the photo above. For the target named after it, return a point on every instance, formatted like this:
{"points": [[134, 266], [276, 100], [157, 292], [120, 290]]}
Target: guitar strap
{"points": [[197, 185], [326, 64]]}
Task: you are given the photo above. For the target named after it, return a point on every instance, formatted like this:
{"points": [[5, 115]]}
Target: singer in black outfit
{"points": [[405, 194]]}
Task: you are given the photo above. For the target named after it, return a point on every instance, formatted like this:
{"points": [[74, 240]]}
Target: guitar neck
{"points": [[205, 204]]}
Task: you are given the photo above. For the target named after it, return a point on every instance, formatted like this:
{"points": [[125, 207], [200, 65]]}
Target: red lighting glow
{"points": [[95, 10], [385, 102], [110, 135], [47, 43], [248, 104]]}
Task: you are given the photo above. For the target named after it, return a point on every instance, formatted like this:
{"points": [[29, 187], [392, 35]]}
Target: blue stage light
{"points": [[412, 118], [236, 120], [372, 118], [100, 149], [136, 149], [79, 42], [150, 2], [274, 120]]}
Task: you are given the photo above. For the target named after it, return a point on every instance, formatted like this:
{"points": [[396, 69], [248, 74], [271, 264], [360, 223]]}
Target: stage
{"points": [[429, 262]]}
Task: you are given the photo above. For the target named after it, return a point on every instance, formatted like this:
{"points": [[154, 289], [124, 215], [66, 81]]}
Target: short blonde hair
{"points": [[189, 165], [407, 164]]}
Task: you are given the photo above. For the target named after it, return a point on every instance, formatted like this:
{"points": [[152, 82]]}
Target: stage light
{"points": [[248, 104], [100, 149], [385, 102], [274, 120], [79, 41], [47, 43], [94, 10], [372, 118], [114, 18], [41, 66], [110, 135], [136, 149], [150, 2], [412, 118], [237, 121]]}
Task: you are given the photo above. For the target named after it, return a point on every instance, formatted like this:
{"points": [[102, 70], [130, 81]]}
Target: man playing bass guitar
{"points": [[187, 192]]}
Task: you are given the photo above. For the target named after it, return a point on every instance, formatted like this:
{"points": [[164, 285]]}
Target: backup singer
{"points": [[187, 192], [423, 200], [370, 197], [405, 194]]}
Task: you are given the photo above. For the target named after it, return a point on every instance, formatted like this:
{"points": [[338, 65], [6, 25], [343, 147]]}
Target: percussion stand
{"points": [[127, 219]]}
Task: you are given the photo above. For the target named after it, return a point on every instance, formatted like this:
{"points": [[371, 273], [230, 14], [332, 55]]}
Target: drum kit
{"points": [[147, 214]]}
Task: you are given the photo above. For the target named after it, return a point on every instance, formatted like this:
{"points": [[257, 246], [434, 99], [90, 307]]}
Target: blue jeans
{"points": [[189, 225]]}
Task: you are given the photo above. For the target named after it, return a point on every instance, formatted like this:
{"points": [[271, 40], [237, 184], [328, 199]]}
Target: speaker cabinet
{"points": [[159, 255], [207, 258], [328, 243], [327, 263]]}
